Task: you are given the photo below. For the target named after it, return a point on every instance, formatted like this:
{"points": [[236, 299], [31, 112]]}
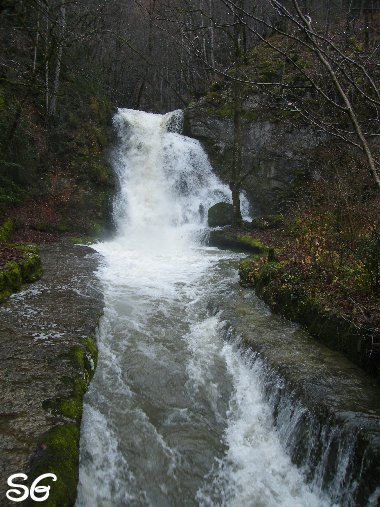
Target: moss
{"points": [[255, 244], [6, 230], [91, 351], [83, 240], [72, 407], [10, 280], [59, 449], [84, 359], [224, 111], [31, 267], [229, 238], [59, 454]]}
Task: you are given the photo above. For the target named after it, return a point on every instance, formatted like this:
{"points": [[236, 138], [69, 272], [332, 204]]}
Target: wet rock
{"points": [[220, 214], [236, 239], [276, 153], [48, 354], [326, 409]]}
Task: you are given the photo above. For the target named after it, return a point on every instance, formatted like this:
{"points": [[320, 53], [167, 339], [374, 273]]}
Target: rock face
{"points": [[220, 214], [275, 152]]}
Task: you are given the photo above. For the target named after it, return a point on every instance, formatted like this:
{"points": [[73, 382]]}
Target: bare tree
{"points": [[342, 80]]}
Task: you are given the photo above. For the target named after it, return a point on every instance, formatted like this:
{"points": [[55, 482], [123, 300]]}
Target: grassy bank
{"points": [[313, 278]]}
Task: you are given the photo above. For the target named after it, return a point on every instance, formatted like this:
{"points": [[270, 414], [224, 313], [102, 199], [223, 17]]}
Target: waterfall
{"points": [[174, 415], [166, 181]]}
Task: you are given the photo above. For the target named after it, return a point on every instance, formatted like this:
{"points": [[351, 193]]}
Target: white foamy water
{"points": [[175, 416]]}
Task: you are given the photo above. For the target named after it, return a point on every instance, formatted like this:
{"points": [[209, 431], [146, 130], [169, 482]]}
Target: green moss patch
{"points": [[59, 454], [83, 357], [10, 280], [252, 243], [232, 239], [58, 450], [6, 230], [31, 267], [14, 274]]}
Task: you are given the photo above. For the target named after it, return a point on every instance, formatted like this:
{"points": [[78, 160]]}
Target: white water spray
{"points": [[166, 181]]}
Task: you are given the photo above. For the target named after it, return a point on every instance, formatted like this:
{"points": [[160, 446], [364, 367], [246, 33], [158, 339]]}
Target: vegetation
{"points": [[328, 262], [58, 450], [54, 121], [65, 66], [18, 263]]}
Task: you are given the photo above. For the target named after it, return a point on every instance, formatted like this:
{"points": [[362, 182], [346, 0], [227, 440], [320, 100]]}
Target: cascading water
{"points": [[175, 416], [166, 181]]}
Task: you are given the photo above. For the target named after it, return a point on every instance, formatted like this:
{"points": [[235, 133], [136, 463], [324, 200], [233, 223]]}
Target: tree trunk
{"points": [[237, 218], [237, 154], [36, 40], [47, 70], [148, 63], [62, 24], [236, 169]]}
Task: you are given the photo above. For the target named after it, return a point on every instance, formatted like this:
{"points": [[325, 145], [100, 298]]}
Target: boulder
{"points": [[220, 214]]}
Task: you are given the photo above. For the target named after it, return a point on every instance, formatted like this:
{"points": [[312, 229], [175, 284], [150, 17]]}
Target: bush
{"points": [[369, 250]]}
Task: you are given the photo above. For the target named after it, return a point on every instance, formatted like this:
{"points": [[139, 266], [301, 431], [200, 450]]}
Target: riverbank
{"points": [[337, 306], [48, 350]]}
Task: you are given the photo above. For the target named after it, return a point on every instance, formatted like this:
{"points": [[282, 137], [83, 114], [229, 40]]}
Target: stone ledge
{"points": [[47, 362]]}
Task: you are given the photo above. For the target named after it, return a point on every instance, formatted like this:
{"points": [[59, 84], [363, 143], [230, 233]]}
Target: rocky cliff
{"points": [[278, 151]]}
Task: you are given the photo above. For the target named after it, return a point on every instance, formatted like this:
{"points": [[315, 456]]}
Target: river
{"points": [[176, 415]]}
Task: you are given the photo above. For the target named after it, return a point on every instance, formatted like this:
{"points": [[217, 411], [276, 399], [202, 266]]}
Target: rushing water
{"points": [[175, 416]]}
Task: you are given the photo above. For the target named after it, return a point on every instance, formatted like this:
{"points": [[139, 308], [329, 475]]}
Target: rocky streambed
{"points": [[48, 354]]}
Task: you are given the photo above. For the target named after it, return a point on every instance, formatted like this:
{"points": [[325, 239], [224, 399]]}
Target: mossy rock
{"points": [[58, 454], [230, 239], [84, 359], [253, 244], [28, 270], [220, 214], [31, 267], [10, 280], [58, 449]]}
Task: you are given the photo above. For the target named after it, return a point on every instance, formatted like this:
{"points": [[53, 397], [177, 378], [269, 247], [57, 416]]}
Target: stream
{"points": [[176, 414]]}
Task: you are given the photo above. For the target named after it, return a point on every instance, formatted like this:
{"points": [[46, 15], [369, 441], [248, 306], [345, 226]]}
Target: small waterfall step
{"points": [[326, 408]]}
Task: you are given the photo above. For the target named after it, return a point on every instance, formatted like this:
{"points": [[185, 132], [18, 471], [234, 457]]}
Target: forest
{"points": [[201, 390], [66, 66]]}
